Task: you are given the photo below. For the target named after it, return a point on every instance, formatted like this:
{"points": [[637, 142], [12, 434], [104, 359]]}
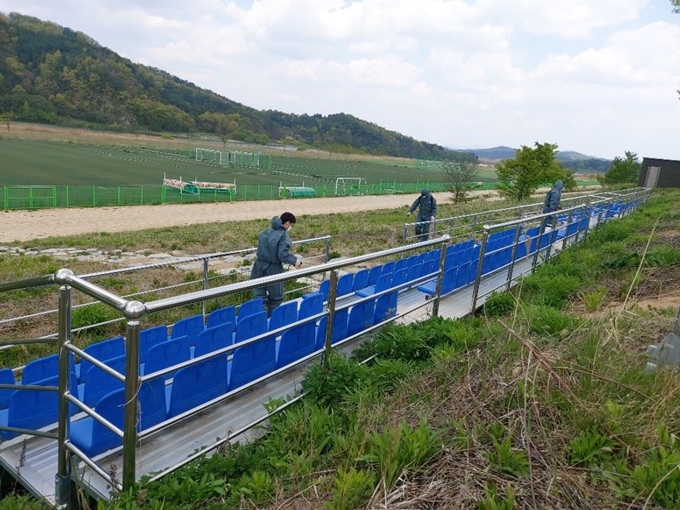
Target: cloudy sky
{"points": [[595, 76]]}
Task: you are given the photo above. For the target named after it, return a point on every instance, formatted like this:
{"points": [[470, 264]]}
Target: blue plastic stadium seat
{"points": [[361, 279], [94, 438], [197, 384], [414, 272], [33, 409], [448, 283], [295, 344], [166, 354], [345, 284], [149, 337], [324, 287], [311, 304], [189, 326], [214, 338], [384, 282], [339, 328], [252, 361], [40, 369], [361, 316], [222, 316], [250, 307], [283, 315], [106, 349], [385, 306], [251, 326], [97, 383], [373, 275]]}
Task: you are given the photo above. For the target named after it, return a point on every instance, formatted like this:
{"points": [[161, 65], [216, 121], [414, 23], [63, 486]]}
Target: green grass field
{"points": [[73, 164]]}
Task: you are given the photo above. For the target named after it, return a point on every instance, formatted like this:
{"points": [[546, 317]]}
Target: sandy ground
{"points": [[27, 225]]}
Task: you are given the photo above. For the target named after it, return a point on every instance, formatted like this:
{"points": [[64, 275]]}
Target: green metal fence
{"points": [[50, 197]]}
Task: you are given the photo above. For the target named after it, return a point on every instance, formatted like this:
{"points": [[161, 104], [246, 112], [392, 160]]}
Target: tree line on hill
{"points": [[51, 74]]}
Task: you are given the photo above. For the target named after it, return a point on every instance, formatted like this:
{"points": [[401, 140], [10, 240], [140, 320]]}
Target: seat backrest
{"points": [[345, 284], [251, 325], [41, 368], [252, 361], [197, 384], [414, 272], [98, 383], [106, 349], [189, 326], [222, 316], [283, 315], [151, 409], [324, 287], [339, 328], [6, 377], [373, 275], [399, 277], [311, 304], [212, 339], [361, 279], [295, 344], [449, 280], [388, 267], [463, 275], [149, 337], [166, 354], [32, 409], [384, 282], [250, 307], [402, 263], [385, 306], [361, 316]]}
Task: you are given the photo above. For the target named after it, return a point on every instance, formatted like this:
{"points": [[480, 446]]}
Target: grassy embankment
{"points": [[541, 401]]}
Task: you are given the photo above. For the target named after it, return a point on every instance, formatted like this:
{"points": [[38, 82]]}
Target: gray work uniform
{"points": [[273, 250]]}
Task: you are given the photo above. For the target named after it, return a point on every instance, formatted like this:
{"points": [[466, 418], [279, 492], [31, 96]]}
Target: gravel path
{"points": [[27, 225]]}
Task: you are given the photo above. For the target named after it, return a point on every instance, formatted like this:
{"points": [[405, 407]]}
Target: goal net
{"points": [[350, 186], [209, 156]]}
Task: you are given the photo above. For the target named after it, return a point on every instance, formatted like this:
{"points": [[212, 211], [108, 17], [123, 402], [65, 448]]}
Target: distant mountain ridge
{"points": [[55, 75], [569, 159]]}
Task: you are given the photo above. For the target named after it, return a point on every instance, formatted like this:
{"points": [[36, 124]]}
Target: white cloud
{"points": [[588, 75]]}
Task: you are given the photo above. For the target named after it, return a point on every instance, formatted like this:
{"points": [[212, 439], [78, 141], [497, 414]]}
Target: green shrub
{"points": [[545, 320], [352, 487], [328, 387], [499, 303], [93, 315]]}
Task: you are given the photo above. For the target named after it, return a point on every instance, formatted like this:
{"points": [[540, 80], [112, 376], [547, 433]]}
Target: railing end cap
{"points": [[134, 309], [63, 276]]}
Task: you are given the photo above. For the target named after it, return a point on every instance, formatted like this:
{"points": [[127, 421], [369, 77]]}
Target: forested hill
{"points": [[52, 74]]}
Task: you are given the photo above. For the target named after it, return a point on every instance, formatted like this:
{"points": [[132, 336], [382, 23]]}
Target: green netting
{"points": [[47, 197]]}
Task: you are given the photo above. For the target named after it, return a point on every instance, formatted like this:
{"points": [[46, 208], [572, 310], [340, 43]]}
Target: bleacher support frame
{"points": [[492, 272]]}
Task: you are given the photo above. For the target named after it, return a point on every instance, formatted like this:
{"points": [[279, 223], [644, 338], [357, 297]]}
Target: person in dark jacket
{"points": [[273, 251], [427, 210], [552, 202]]}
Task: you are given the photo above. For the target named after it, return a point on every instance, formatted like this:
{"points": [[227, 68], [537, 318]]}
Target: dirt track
{"points": [[27, 225]]}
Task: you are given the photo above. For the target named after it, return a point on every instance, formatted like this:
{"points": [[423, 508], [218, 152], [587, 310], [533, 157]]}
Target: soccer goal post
{"points": [[210, 156], [350, 186]]}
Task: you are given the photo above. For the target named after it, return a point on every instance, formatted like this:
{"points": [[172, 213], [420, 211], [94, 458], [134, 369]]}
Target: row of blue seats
{"points": [[190, 387], [34, 409]]}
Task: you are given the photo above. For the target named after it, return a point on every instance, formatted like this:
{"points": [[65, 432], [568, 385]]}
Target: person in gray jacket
{"points": [[273, 250], [552, 203], [427, 210]]}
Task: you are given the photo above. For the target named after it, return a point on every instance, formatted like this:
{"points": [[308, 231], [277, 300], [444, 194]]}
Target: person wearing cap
{"points": [[273, 251], [427, 210]]}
